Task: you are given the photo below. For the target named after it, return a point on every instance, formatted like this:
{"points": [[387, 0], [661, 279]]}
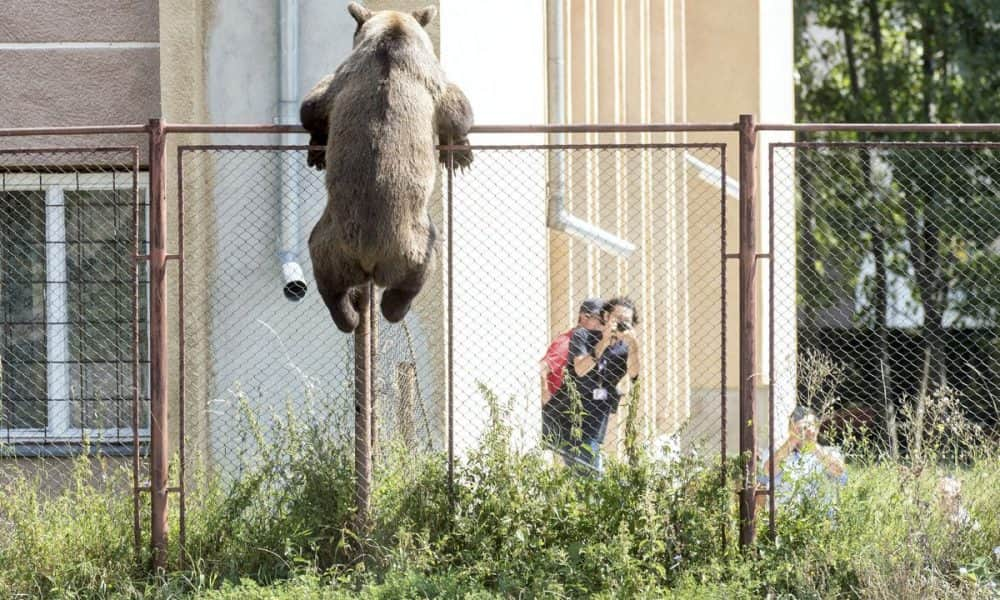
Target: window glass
{"points": [[97, 316], [99, 237], [22, 310]]}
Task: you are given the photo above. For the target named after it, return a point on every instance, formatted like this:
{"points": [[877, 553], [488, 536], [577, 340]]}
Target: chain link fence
{"points": [[880, 312], [73, 302], [897, 276], [267, 378], [536, 232], [516, 258]]}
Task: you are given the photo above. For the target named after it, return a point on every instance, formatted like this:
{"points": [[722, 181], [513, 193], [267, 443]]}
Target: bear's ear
{"points": [[360, 13], [425, 15]]}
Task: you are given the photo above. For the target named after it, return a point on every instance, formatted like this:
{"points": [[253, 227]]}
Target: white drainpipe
{"points": [[713, 175], [288, 109], [558, 217]]}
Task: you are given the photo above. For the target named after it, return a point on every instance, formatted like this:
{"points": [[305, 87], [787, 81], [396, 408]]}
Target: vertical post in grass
{"points": [[451, 335], [748, 327], [159, 450], [373, 368], [363, 409]]}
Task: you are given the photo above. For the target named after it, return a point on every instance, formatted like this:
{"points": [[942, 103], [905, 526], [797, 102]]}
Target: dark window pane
{"points": [[22, 344], [100, 414], [23, 395], [22, 302]]}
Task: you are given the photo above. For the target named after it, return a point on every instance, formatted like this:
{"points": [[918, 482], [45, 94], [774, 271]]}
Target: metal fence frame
{"points": [[876, 130], [158, 132], [363, 342]]}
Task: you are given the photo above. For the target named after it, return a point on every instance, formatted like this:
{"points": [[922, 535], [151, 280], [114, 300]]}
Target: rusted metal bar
{"points": [[491, 129], [770, 344], [884, 127], [722, 329], [203, 147], [158, 331], [608, 128], [748, 327], [451, 332], [609, 145], [269, 128], [892, 145], [373, 324], [72, 150], [136, 507], [448, 147], [585, 128], [38, 131], [181, 343], [362, 411]]}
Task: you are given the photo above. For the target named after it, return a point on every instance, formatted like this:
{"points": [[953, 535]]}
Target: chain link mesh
{"points": [[640, 222], [893, 250], [883, 293], [256, 365], [72, 310], [266, 374]]}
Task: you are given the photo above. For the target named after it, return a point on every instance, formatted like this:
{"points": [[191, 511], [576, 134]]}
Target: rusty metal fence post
{"points": [[363, 409], [159, 457], [450, 324], [748, 324]]}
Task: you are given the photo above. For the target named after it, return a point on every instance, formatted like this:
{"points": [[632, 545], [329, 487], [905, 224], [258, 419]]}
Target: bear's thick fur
{"points": [[379, 117]]}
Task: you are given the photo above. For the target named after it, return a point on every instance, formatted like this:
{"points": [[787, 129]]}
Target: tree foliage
{"points": [[900, 235], [928, 215]]}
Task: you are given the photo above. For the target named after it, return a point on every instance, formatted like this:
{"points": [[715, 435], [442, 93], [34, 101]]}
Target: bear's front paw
{"points": [[462, 156], [316, 158]]}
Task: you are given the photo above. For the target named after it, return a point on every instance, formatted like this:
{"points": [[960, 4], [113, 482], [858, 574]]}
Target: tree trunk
{"points": [[880, 294]]}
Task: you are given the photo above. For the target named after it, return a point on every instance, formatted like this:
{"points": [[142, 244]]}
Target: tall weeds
{"points": [[514, 525]]}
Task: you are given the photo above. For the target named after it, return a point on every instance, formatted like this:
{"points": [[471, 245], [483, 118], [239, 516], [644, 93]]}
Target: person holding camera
{"points": [[804, 469], [600, 361]]}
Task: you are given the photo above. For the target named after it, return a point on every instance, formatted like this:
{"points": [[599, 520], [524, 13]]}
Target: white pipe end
{"points": [[295, 281]]}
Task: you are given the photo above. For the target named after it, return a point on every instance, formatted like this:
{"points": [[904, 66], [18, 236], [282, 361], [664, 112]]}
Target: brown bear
{"points": [[379, 117]]}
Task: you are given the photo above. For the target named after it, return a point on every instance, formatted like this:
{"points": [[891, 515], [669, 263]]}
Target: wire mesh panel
{"points": [[893, 250], [537, 231], [266, 373], [512, 267], [72, 310]]}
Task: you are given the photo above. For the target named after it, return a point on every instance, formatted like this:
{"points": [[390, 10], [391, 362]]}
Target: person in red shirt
{"points": [[553, 364]]}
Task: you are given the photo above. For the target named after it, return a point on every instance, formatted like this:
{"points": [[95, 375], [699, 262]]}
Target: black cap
{"points": [[593, 306]]}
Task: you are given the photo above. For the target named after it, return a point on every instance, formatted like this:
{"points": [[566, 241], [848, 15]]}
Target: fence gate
{"points": [[526, 234], [889, 246], [73, 301]]}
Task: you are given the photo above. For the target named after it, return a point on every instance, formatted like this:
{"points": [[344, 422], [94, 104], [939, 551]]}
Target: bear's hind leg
{"points": [[401, 291], [343, 296], [396, 300]]}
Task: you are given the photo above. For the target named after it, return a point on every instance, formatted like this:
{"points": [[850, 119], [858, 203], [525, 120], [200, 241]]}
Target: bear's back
{"points": [[381, 161]]}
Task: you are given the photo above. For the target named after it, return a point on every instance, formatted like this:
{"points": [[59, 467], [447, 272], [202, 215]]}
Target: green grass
{"points": [[517, 527]]}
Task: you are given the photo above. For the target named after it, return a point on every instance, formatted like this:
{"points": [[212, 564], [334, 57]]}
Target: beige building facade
{"points": [[516, 281]]}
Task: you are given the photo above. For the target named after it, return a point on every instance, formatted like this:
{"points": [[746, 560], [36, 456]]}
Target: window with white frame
{"points": [[67, 297]]}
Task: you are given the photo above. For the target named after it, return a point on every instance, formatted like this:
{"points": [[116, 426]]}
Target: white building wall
{"points": [[495, 51], [777, 105], [277, 352]]}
